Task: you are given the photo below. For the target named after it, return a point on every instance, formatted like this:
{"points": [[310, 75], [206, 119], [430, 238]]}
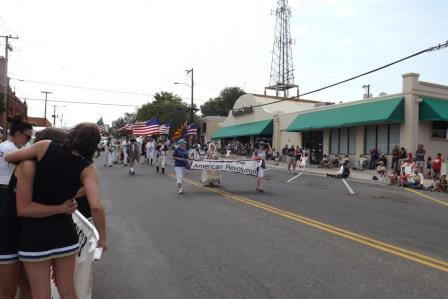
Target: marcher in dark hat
{"points": [[133, 155]]}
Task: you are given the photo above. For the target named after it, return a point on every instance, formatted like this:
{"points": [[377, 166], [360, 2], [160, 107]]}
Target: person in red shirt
{"points": [[437, 165]]}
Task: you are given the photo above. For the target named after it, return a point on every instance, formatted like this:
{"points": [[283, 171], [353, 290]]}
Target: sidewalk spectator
{"points": [[437, 165], [410, 158], [429, 167], [361, 163], [443, 184], [325, 163], [420, 158], [373, 157], [59, 174], [403, 180], [343, 172], [284, 154], [394, 179], [383, 159], [395, 158], [416, 181], [292, 160], [382, 170], [299, 153]]}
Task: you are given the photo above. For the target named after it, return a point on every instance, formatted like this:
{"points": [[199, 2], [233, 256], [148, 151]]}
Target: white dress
{"points": [[211, 176]]}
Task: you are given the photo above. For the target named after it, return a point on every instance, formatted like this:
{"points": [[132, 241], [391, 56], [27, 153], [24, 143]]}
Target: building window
{"points": [[352, 141], [382, 137], [204, 127], [334, 141], [343, 141], [440, 129], [394, 136]]}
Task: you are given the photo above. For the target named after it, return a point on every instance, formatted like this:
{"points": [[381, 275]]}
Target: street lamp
{"points": [[368, 89], [192, 90]]}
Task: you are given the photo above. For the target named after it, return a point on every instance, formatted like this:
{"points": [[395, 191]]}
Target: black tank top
{"points": [[57, 177]]}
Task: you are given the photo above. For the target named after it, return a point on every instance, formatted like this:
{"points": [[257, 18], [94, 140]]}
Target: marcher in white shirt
{"points": [[150, 150]]}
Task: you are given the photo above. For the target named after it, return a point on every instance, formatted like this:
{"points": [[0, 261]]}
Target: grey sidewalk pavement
{"points": [[354, 174]]}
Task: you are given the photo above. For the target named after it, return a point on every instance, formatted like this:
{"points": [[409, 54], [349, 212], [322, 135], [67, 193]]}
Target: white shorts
{"points": [[260, 172], [180, 173]]}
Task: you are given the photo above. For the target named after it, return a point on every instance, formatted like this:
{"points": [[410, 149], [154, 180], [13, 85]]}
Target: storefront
{"points": [[251, 119], [418, 115]]}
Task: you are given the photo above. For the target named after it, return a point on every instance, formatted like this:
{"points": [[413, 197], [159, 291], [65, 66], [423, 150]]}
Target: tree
{"points": [[223, 103], [121, 122], [167, 107]]}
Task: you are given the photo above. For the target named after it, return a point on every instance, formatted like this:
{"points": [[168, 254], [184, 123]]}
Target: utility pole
{"points": [[45, 111], [192, 92], [6, 84], [54, 115]]}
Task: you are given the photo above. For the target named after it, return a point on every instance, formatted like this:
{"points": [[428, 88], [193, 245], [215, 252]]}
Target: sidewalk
{"points": [[354, 174]]}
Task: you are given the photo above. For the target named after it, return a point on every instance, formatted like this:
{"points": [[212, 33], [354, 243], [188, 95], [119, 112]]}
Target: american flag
{"points": [[164, 129], [146, 128], [192, 129], [126, 127], [101, 126]]}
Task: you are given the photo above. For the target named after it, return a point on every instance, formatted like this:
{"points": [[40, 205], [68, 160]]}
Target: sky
{"points": [[145, 46]]}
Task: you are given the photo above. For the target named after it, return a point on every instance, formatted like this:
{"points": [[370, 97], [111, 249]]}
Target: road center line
{"points": [[293, 178], [426, 196], [348, 187], [379, 245]]}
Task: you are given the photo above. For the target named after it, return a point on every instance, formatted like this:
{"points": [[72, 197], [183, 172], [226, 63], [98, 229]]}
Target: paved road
{"points": [[307, 238]]}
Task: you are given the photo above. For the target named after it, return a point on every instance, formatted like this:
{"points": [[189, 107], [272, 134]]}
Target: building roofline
{"points": [[286, 99]]}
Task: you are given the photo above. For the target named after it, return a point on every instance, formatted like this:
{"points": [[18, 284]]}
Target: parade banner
{"points": [[248, 167], [88, 253]]}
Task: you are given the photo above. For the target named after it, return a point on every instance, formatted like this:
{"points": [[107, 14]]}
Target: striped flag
{"points": [[192, 129], [146, 128], [101, 126], [180, 131], [126, 127], [164, 129]]}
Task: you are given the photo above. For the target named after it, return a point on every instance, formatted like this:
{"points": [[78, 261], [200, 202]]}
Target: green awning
{"points": [[262, 127], [365, 113], [432, 109]]}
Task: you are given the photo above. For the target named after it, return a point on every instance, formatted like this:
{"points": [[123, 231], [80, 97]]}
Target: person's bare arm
{"points": [[37, 150], [91, 183], [24, 194]]}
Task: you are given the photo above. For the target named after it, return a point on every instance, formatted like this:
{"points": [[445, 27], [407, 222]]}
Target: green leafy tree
{"points": [[223, 103], [121, 122], [167, 107]]}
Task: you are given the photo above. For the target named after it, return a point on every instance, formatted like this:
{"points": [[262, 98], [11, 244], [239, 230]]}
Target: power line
{"points": [[435, 48], [84, 87], [81, 102]]}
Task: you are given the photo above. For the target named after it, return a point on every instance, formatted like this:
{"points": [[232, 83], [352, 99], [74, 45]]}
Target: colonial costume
{"points": [[150, 150], [161, 152], [110, 148], [133, 155], [211, 177]]}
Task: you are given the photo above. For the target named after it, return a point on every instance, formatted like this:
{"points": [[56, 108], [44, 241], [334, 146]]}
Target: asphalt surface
{"points": [[296, 240]]}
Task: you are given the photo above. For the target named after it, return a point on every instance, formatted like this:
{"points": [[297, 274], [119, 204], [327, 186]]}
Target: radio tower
{"points": [[282, 69]]}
